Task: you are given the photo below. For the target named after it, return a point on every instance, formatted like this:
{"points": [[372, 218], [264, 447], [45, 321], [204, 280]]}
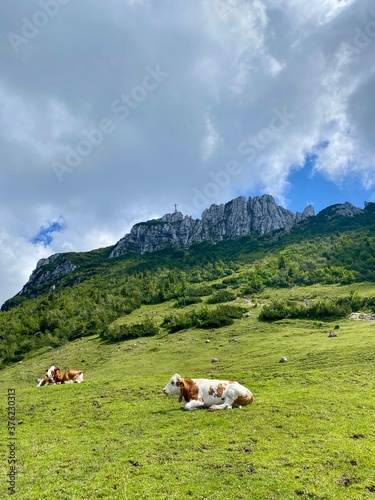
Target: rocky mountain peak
{"points": [[174, 217], [344, 209], [50, 269], [235, 219]]}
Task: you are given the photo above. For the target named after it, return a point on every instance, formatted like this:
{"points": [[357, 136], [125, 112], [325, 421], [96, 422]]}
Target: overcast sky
{"points": [[112, 111]]}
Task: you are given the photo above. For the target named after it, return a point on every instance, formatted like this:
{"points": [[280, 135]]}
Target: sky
{"points": [[113, 111]]}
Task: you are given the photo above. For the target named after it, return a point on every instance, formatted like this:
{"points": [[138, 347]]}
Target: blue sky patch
{"points": [[45, 234]]}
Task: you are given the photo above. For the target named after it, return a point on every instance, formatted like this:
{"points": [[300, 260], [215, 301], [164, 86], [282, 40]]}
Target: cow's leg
{"points": [[224, 406], [230, 397], [193, 405], [43, 381]]}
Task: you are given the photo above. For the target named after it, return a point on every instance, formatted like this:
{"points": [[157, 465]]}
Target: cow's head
{"points": [[174, 386], [50, 372], [53, 373], [57, 375]]}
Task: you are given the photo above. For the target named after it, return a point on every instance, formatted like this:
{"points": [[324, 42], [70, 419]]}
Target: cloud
{"points": [[230, 64], [211, 139], [18, 259]]}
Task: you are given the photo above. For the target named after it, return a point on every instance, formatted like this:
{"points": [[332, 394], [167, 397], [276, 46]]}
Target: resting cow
{"points": [[69, 377], [55, 376], [48, 377], [206, 393], [73, 377]]}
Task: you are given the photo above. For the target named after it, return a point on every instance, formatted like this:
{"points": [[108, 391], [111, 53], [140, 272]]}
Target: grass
{"points": [[309, 434]]}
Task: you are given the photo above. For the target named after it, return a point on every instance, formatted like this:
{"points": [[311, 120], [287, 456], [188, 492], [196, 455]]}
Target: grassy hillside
{"points": [[132, 322], [309, 434]]}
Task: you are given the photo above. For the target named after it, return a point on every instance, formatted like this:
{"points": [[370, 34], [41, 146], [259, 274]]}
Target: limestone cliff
{"points": [[50, 269], [235, 219]]}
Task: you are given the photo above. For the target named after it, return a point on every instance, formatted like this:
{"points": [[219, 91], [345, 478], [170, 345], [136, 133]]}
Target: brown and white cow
{"points": [[48, 377], [73, 376], [69, 377], [205, 393], [54, 375]]}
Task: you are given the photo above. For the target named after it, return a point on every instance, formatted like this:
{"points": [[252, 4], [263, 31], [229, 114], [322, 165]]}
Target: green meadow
{"points": [[309, 434]]}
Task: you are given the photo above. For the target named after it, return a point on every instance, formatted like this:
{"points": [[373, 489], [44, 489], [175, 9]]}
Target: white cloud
{"points": [[38, 124], [231, 63], [211, 139], [18, 259], [311, 14]]}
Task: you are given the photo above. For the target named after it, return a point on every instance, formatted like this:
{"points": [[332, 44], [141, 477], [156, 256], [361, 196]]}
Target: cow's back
{"points": [[213, 392]]}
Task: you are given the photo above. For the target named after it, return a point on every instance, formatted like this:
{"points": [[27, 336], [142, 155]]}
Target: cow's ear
{"points": [[180, 382]]}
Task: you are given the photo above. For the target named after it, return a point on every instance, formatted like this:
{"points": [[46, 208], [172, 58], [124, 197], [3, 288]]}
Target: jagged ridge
{"points": [[235, 219], [232, 220]]}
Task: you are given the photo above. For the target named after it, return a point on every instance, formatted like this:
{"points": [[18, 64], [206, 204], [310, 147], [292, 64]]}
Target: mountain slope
{"points": [[236, 219], [97, 290]]}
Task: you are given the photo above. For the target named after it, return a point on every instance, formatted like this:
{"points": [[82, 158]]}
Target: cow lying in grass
{"points": [[55, 376], [47, 379], [205, 393]]}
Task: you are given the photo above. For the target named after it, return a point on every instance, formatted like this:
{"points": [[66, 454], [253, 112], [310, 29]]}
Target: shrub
{"points": [[327, 309], [222, 315], [214, 318], [126, 332], [232, 311], [233, 281], [176, 322], [219, 286], [321, 309], [279, 309], [186, 301], [198, 291], [221, 296], [251, 288]]}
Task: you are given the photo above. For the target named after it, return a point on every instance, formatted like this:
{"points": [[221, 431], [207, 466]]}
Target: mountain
{"points": [[236, 250], [232, 220], [238, 218]]}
